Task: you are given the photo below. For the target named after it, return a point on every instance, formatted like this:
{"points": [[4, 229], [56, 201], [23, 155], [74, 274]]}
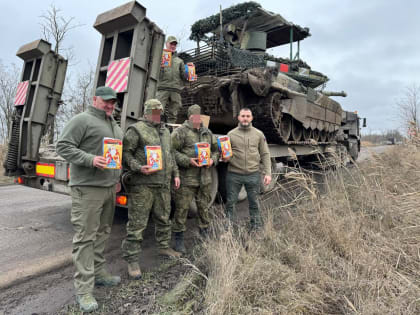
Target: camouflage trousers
{"points": [[142, 201], [92, 214], [171, 102], [183, 198]]}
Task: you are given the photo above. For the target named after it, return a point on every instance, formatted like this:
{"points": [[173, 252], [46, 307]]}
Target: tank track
{"points": [[264, 121]]}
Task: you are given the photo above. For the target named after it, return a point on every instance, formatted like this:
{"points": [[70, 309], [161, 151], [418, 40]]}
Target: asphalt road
{"points": [[35, 232], [366, 152]]}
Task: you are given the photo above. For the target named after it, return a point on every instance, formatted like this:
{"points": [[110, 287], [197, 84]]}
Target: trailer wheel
{"points": [[354, 151], [222, 172], [274, 178]]}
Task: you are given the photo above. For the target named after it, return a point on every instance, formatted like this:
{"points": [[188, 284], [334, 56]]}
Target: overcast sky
{"points": [[370, 49]]}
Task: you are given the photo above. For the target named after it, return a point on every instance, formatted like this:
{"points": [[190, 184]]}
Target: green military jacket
{"points": [[81, 140], [183, 140], [138, 136], [172, 78]]}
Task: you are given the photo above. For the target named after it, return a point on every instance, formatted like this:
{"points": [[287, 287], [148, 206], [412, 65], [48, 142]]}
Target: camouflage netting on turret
{"points": [[203, 26]]}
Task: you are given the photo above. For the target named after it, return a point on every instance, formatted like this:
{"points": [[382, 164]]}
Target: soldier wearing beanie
{"points": [[196, 180], [171, 83], [149, 190]]}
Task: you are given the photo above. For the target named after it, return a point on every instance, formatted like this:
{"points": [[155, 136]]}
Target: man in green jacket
{"points": [[249, 150], [93, 190], [149, 190], [196, 179], [171, 83]]}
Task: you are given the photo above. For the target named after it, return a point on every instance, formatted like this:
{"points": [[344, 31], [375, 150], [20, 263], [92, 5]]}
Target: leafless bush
{"points": [[341, 243]]}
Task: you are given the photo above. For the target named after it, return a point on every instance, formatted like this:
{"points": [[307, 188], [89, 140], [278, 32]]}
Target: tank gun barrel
{"points": [[330, 93]]}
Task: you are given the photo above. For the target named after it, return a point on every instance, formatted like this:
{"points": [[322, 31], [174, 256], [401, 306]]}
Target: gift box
{"points": [[202, 151], [166, 58], [154, 157], [225, 148], [190, 72], [112, 152]]}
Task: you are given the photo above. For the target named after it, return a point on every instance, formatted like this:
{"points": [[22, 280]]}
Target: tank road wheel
{"points": [[307, 134], [296, 130], [315, 134], [323, 136], [285, 127], [331, 136]]}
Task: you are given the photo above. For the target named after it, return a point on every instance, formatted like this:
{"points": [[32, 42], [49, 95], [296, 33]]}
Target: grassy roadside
{"points": [[345, 242], [352, 249]]}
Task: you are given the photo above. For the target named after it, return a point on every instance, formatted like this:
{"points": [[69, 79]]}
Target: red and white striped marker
{"points": [[21, 91], [117, 75]]}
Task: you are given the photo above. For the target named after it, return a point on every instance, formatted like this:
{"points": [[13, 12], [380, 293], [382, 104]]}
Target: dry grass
{"points": [[349, 245]]}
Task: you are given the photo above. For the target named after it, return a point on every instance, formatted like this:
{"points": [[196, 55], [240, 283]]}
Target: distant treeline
{"points": [[383, 137]]}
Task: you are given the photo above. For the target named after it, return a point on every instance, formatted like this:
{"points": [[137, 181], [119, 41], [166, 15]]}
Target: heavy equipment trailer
{"points": [[129, 61]]}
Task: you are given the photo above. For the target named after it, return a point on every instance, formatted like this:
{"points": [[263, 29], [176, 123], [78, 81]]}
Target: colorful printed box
{"points": [[202, 151], [225, 148], [112, 152], [154, 157], [166, 58], [190, 72]]}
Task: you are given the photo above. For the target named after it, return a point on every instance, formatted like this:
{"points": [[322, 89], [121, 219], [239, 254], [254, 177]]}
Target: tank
{"points": [[234, 71]]}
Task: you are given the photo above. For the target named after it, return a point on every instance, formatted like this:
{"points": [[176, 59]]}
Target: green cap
{"points": [[194, 110], [106, 93], [171, 39], [151, 104]]}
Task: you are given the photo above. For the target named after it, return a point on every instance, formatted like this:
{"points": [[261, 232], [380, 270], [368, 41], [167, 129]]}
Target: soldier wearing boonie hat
{"points": [[171, 82], [149, 190]]}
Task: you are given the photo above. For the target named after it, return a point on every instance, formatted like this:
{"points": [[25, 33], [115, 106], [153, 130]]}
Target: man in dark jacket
{"points": [[149, 190], [171, 83], [195, 179], [92, 191]]}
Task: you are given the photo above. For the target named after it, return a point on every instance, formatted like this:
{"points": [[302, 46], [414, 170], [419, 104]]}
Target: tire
{"points": [[274, 177], [222, 173], [354, 150]]}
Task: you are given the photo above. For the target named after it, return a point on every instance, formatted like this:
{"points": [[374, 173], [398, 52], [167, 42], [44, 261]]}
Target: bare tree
{"points": [[9, 79], [408, 107], [55, 27], [77, 96]]}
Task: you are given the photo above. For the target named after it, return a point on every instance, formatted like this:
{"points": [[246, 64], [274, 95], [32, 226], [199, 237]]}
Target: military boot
{"points": [[106, 279], [87, 302], [169, 252], [134, 271], [179, 242]]}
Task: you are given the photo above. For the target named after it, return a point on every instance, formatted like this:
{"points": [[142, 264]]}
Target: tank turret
{"points": [[235, 71]]}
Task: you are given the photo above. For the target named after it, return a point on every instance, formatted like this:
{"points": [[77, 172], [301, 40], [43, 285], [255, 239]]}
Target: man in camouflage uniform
{"points": [[149, 190], [196, 180], [171, 83]]}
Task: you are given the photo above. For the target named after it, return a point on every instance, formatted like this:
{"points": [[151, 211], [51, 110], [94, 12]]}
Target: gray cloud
{"points": [[367, 48]]}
